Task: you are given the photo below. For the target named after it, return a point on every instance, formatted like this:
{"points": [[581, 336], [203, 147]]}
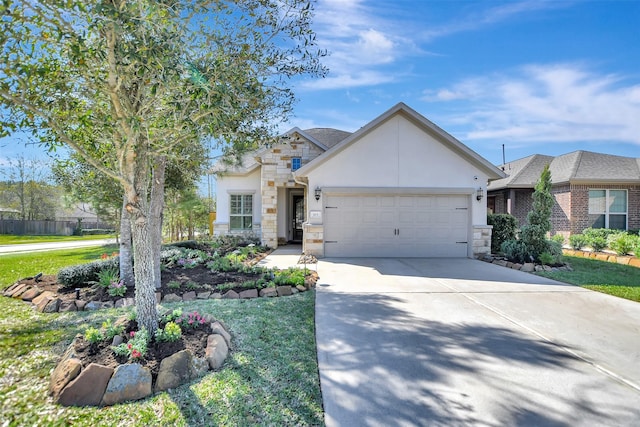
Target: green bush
{"points": [[546, 258], [554, 248], [578, 241], [504, 228], [107, 276], [558, 238], [622, 243], [93, 335], [515, 250], [80, 275], [292, 276], [597, 237]]}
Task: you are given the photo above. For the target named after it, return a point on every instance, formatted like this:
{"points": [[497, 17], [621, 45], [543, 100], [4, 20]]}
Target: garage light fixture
{"points": [[479, 194], [317, 193]]}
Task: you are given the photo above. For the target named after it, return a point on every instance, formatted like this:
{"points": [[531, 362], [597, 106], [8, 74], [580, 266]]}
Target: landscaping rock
{"points": [[46, 296], [189, 296], [268, 292], [87, 388], [231, 294], [81, 304], [30, 293], [125, 302], [217, 328], [67, 369], [516, 266], [171, 298], [117, 340], [216, 351], [67, 306], [174, 370], [8, 291], [294, 291], [107, 304], [18, 290], [283, 291], [215, 295], [249, 293], [93, 305], [203, 295], [52, 306], [635, 262], [500, 262], [528, 267], [199, 367], [301, 288], [129, 382]]}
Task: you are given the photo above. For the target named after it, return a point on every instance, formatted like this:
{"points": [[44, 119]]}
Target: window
{"points": [[608, 209], [241, 214], [296, 162]]}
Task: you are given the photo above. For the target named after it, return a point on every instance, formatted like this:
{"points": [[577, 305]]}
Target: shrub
{"points": [[578, 241], [111, 330], [558, 238], [93, 335], [554, 248], [170, 333], [504, 228], [515, 250], [622, 243], [108, 276], [597, 237], [546, 258], [292, 276], [80, 275]]}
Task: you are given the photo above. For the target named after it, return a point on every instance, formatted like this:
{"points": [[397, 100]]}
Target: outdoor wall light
{"points": [[317, 192], [479, 194]]}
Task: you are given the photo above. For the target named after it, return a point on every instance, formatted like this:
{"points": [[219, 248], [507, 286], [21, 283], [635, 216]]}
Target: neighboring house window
{"points": [[608, 209], [241, 215], [296, 162]]}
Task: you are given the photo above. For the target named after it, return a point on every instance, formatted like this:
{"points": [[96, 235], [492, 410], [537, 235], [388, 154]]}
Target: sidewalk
{"points": [[283, 257]]}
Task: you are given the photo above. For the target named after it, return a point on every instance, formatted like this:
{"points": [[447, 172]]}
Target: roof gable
{"points": [[419, 121]]}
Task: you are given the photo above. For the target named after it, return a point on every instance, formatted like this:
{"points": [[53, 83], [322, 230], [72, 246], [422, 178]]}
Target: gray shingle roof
{"points": [[574, 167], [327, 136]]}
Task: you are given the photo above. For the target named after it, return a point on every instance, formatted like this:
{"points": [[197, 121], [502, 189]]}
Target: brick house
{"points": [[399, 186], [590, 190]]}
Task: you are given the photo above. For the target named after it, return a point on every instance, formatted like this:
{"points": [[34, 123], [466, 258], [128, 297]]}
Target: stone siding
{"points": [[482, 240]]}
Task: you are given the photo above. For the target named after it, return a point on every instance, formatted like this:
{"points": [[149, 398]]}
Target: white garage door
{"points": [[396, 226]]}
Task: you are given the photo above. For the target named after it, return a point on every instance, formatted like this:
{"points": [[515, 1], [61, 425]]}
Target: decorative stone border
{"points": [[49, 302], [71, 384], [604, 256], [527, 267]]}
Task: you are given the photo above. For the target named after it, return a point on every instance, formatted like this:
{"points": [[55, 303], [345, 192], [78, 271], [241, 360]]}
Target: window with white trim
{"points": [[241, 212], [296, 162], [608, 209]]}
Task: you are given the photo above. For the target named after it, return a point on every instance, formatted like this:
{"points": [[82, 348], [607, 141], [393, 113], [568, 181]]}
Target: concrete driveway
{"points": [[452, 342]]}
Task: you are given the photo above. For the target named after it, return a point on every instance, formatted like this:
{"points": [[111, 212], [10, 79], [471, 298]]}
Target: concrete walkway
{"points": [[284, 257], [453, 342]]}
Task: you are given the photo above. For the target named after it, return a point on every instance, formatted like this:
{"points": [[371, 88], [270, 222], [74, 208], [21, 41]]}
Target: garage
{"points": [[396, 225]]}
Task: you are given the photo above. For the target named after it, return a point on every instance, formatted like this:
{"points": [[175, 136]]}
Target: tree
{"points": [[534, 234], [134, 80], [186, 212]]}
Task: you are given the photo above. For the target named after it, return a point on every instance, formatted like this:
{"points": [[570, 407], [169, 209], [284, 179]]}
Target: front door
{"points": [[297, 218]]}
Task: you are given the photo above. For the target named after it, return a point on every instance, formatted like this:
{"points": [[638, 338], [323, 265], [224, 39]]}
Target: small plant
{"points": [[107, 276], [117, 289], [292, 276], [515, 250], [191, 285], [174, 284], [170, 317], [578, 241], [111, 330], [597, 237], [187, 263], [546, 258], [558, 238], [137, 346], [622, 243], [191, 321], [170, 333], [93, 335]]}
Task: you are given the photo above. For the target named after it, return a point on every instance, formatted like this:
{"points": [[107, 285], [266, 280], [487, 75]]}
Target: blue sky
{"points": [[545, 77]]}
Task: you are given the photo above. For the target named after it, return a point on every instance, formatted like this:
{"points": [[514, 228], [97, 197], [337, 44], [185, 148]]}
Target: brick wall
{"points": [[561, 211]]}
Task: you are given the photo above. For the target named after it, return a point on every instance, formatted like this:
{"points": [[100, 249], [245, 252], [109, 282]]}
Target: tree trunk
{"points": [[156, 208], [143, 255], [126, 265]]}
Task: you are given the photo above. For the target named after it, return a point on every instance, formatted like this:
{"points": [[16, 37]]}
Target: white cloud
{"points": [[557, 103]]}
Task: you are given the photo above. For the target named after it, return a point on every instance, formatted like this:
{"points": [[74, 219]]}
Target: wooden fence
{"points": [[45, 228]]}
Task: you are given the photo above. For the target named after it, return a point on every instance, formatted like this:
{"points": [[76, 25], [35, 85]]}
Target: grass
{"points": [[270, 378], [9, 239], [614, 279], [16, 266]]}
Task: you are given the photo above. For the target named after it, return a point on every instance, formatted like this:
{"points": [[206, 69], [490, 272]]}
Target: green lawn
{"points": [[614, 279], [9, 239], [270, 378]]}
